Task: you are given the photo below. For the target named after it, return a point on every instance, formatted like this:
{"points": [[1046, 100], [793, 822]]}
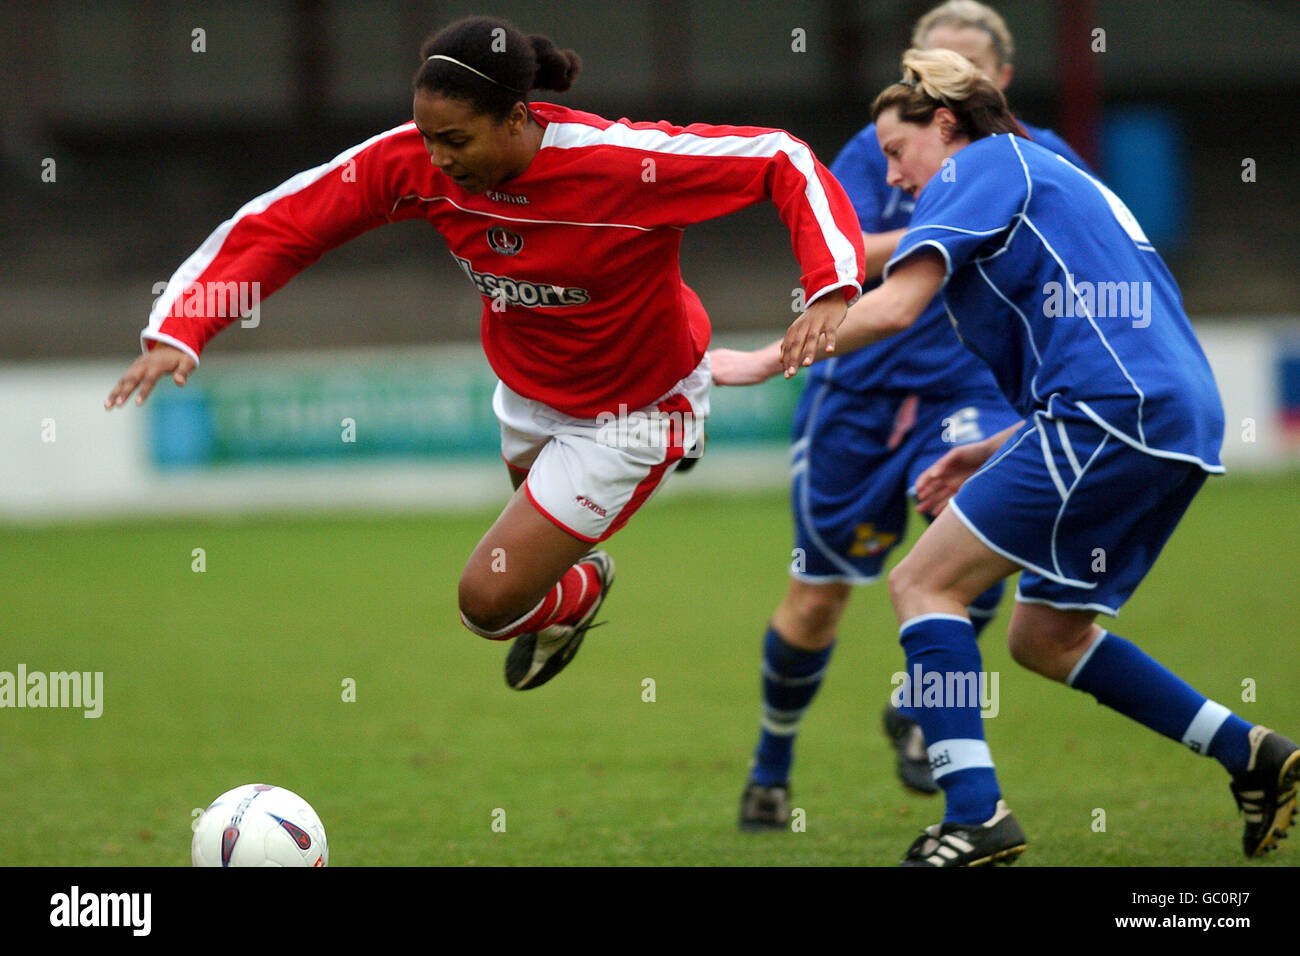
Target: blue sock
{"points": [[1125, 678], [790, 680], [984, 608], [944, 664]]}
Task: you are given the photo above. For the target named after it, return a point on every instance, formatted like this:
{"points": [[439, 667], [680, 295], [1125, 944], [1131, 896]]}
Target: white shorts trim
{"points": [[1016, 559], [1062, 606], [850, 579]]}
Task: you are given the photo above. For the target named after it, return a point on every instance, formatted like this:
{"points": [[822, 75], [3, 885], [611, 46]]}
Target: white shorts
{"points": [[589, 476]]}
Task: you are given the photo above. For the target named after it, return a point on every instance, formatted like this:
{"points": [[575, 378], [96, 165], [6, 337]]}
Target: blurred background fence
{"points": [[132, 128]]}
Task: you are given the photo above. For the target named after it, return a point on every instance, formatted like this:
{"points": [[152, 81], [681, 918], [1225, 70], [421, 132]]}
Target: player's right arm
{"points": [[270, 240]]}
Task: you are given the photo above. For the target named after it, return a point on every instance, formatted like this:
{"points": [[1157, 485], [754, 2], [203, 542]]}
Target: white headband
{"points": [[439, 56]]}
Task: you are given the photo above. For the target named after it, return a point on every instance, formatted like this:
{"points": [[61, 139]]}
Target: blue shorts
{"points": [[1083, 513], [854, 461]]}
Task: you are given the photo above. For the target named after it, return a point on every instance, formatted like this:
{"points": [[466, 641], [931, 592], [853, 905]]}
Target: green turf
{"points": [[234, 675]]}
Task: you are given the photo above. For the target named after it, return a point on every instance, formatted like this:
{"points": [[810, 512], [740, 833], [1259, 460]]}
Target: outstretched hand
{"points": [[938, 483], [812, 335], [146, 370], [733, 367]]}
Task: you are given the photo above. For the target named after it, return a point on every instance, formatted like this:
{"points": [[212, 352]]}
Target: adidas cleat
{"points": [[997, 840], [765, 808], [913, 763], [536, 658], [1266, 792]]}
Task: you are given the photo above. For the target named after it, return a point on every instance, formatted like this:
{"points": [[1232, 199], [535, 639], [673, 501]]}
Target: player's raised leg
{"points": [[531, 582], [536, 576]]}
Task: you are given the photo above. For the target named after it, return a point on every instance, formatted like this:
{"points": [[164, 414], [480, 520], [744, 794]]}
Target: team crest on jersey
{"points": [[504, 240]]}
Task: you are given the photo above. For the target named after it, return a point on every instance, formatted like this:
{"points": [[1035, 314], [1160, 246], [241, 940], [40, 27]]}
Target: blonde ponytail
{"points": [[942, 78], [942, 74]]}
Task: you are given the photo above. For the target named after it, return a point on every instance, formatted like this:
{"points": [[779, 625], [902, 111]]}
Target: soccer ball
{"points": [[259, 825]]}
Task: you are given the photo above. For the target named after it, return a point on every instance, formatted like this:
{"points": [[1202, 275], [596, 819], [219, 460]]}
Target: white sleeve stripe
{"points": [[969, 232], [758, 146], [1029, 189], [194, 266], [166, 340], [900, 256]]}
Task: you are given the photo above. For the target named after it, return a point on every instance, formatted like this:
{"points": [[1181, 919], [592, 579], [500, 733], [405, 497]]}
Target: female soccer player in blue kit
{"points": [[867, 426], [1050, 280]]}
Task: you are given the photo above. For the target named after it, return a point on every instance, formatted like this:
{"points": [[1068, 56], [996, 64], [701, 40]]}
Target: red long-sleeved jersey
{"points": [[576, 258]]}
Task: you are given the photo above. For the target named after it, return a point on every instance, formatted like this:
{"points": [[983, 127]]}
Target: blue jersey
{"points": [[927, 359], [1052, 282]]}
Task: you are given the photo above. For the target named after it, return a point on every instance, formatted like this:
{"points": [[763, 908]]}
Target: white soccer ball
{"points": [[259, 825]]}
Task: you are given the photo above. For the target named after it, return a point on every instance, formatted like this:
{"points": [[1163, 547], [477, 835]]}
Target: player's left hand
{"points": [[812, 332], [938, 483]]}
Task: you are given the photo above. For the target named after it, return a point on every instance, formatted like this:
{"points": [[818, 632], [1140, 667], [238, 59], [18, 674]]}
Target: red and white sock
{"points": [[565, 603]]}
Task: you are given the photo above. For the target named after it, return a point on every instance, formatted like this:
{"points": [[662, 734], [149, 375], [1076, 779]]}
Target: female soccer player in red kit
{"points": [[569, 225]]}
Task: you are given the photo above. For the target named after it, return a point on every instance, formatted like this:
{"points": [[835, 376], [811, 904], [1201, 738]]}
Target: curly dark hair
{"points": [[509, 62]]}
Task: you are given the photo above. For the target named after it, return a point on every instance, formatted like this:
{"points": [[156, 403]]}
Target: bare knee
{"points": [[809, 614], [489, 605], [1050, 642], [911, 592], [903, 584]]}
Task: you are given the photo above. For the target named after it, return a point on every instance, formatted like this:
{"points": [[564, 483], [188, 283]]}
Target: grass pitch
{"points": [[237, 674]]}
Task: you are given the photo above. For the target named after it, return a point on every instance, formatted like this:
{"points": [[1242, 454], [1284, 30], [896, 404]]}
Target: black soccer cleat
{"points": [[765, 808], [536, 658], [913, 764], [689, 460], [1266, 792], [998, 839]]}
